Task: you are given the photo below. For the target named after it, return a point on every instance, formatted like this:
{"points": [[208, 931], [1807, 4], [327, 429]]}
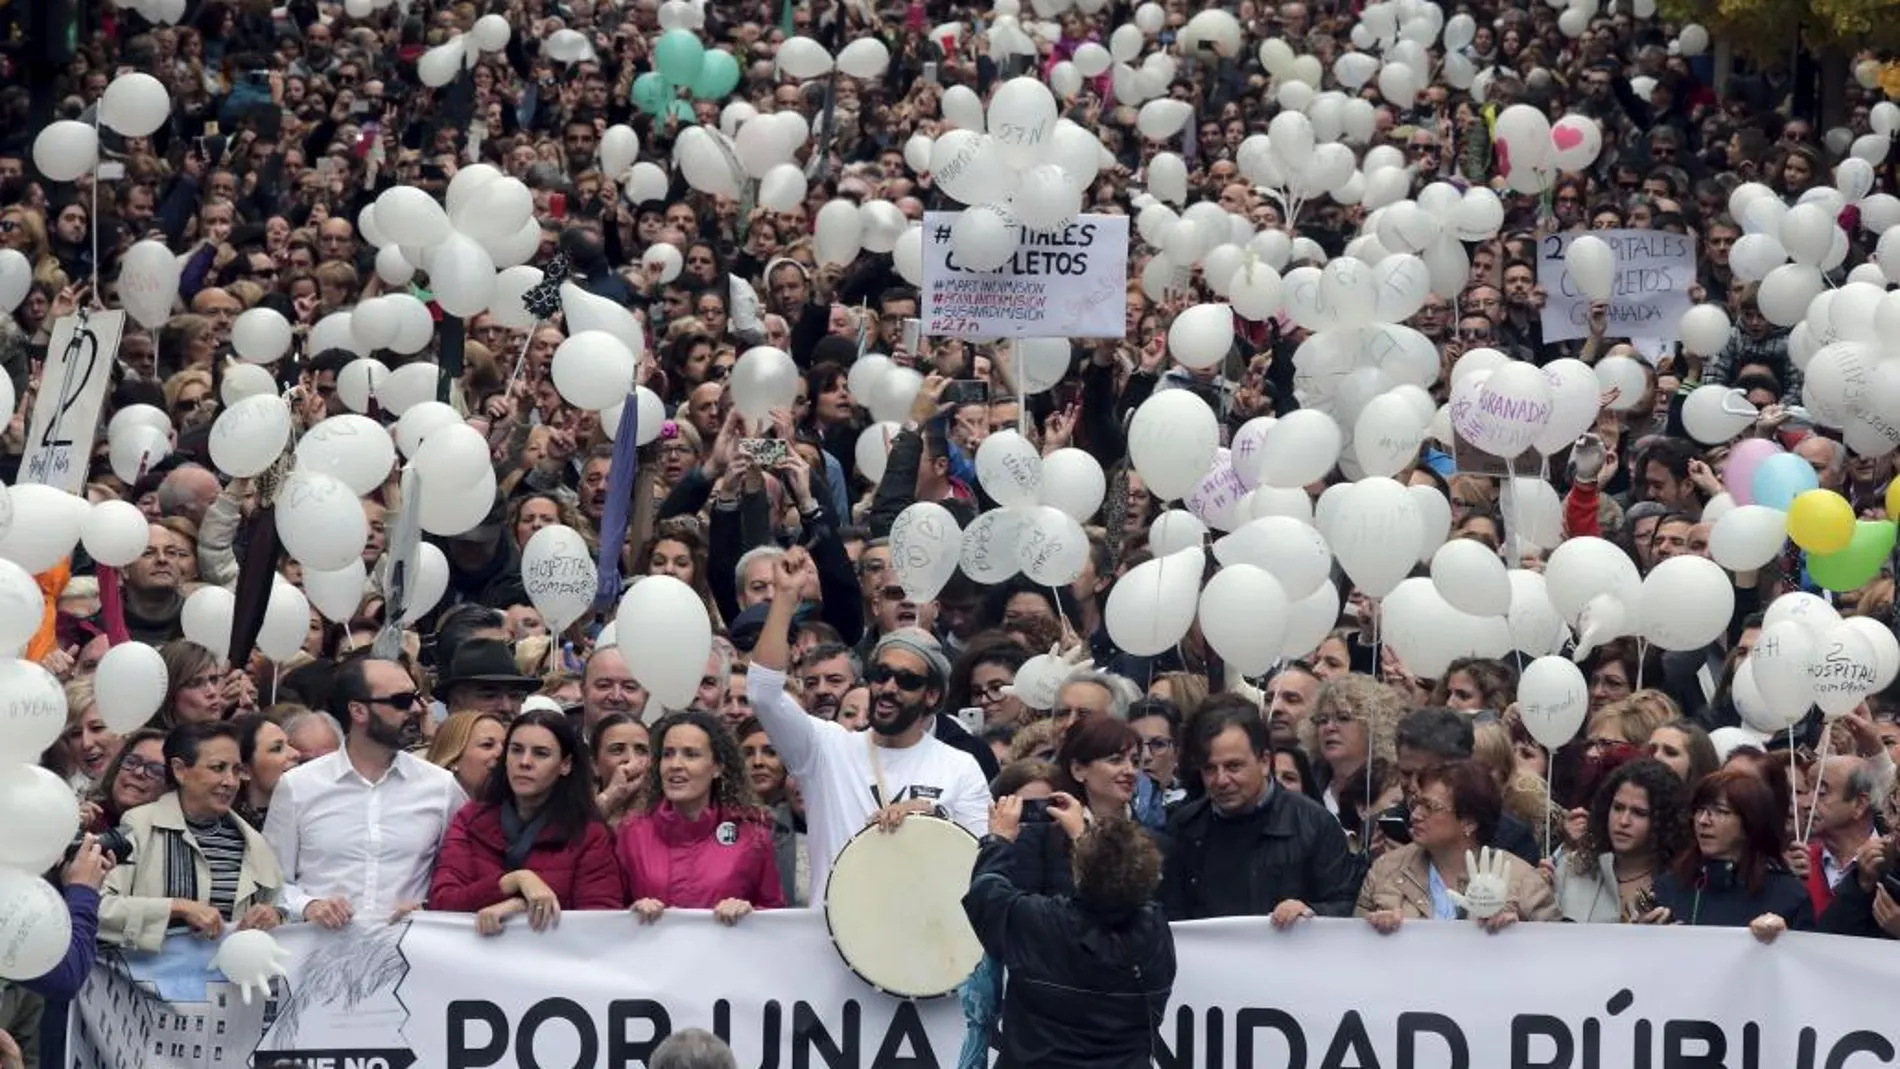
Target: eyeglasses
{"points": [[1320, 720], [1714, 810], [400, 700], [1429, 806], [139, 768], [1158, 744], [1474, 334], [990, 695], [905, 679], [893, 593]]}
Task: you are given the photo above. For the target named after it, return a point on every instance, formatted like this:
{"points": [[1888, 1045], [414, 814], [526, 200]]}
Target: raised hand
{"points": [[1487, 884]]}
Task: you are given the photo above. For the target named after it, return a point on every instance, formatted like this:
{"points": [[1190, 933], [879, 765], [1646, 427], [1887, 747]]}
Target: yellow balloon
{"points": [[1821, 521], [1893, 500]]}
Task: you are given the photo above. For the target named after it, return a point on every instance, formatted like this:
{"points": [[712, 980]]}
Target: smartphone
{"points": [[359, 107], [1396, 824], [432, 172], [557, 205], [930, 73], [966, 392], [110, 170], [971, 717], [1067, 393], [326, 164], [1036, 810], [765, 452], [913, 335]]}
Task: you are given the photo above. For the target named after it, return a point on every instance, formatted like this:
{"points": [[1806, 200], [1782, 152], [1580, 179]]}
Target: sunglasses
{"points": [[401, 700], [893, 593], [905, 680]]}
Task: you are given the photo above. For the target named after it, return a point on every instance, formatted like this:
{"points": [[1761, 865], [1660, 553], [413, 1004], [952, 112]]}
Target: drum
{"points": [[895, 907]]}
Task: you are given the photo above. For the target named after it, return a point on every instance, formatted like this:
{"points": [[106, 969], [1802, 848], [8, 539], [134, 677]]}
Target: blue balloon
{"points": [[1782, 478]]}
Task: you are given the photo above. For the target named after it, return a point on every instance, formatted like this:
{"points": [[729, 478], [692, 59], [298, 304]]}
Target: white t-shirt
{"points": [[833, 768]]}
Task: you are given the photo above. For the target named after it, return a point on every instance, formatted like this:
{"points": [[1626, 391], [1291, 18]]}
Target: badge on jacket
{"points": [[727, 833]]}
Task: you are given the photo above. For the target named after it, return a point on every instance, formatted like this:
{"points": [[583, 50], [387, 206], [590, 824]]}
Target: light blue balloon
{"points": [[1782, 478]]}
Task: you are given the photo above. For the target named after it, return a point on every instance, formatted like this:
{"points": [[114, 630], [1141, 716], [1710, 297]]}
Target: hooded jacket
{"points": [[698, 863]]}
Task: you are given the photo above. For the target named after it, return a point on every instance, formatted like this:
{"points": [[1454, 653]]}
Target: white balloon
{"points": [[429, 571], [674, 638], [926, 545], [1592, 266], [1625, 376], [1471, 578], [37, 546], [1300, 448], [1243, 617], [1053, 548], [206, 619], [1202, 335], [261, 335], [148, 283], [320, 520], [1686, 603], [1842, 670], [592, 370], [35, 927], [559, 574], [865, 57], [1291, 551], [336, 594], [1172, 441], [839, 232], [764, 379], [1584, 567], [115, 534], [1150, 609], [65, 150], [1534, 625], [1374, 534], [249, 436], [1885, 647], [286, 623], [129, 686], [1009, 469], [408, 216], [1553, 699], [1073, 481]]}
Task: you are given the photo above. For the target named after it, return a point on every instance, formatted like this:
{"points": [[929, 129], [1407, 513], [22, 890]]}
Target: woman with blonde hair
{"points": [[1187, 690], [468, 744], [1352, 723], [1631, 720]]}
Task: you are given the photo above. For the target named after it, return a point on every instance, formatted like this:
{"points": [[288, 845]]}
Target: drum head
{"points": [[895, 907]]}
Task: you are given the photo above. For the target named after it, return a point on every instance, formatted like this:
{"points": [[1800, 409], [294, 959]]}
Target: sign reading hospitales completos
{"points": [[1060, 284]]}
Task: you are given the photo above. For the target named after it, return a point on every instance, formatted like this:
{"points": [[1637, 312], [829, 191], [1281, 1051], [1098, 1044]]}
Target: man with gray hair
{"points": [[313, 734], [1843, 819], [188, 491], [693, 1048]]}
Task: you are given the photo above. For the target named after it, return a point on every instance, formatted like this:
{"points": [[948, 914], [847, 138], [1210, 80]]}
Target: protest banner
{"points": [[603, 990], [1070, 284], [1655, 271], [65, 418]]}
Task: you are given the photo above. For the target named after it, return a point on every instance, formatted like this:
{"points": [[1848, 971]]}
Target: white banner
{"points": [[1067, 285], [601, 991], [65, 418], [1655, 270]]}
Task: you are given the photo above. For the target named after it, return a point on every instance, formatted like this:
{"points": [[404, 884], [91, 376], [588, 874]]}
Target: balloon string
{"points": [[521, 358], [1378, 617], [1820, 769], [1513, 529], [1794, 808], [92, 213], [275, 669], [1642, 654]]}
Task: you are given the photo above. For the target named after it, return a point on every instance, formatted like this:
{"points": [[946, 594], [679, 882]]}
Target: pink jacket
{"points": [[696, 864]]}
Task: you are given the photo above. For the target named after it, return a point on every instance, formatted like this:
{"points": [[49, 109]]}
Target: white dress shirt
{"points": [[337, 834]]}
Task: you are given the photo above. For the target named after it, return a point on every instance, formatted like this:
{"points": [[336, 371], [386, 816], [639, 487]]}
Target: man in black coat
{"points": [[1867, 900], [1250, 847]]}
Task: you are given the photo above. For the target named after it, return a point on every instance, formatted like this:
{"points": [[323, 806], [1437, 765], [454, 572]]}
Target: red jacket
{"points": [[696, 864], [468, 873]]}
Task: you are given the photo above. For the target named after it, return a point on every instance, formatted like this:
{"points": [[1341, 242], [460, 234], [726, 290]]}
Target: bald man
{"points": [[1828, 458], [188, 491], [220, 308]]}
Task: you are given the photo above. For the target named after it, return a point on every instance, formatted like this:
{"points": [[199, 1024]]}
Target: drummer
{"points": [[851, 779]]}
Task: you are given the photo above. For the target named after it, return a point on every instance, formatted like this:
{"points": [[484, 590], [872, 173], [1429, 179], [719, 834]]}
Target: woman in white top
{"points": [[1638, 825]]}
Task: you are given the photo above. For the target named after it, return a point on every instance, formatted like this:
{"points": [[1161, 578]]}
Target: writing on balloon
{"points": [[1834, 672], [1553, 708], [561, 576], [1010, 133]]}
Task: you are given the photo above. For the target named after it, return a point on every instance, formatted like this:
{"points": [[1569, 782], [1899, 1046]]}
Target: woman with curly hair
{"points": [[704, 841], [1472, 684], [677, 548], [1638, 825], [1352, 723], [531, 512]]}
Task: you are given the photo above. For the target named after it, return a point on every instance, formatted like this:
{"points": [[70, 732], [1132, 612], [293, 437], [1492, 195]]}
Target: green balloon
{"points": [[1858, 564], [679, 54], [651, 93], [682, 111], [718, 76]]}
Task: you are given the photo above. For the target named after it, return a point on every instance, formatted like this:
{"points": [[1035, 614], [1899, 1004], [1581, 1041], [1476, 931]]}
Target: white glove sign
{"points": [[1487, 884], [249, 959]]}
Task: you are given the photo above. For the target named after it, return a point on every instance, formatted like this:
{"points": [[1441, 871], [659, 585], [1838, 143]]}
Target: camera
{"points": [[112, 842]]}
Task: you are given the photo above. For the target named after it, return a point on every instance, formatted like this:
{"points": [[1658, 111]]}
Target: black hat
{"points": [[485, 660]]}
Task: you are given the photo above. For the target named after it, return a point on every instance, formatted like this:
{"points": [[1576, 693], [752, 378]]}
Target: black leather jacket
{"points": [[1302, 854]]}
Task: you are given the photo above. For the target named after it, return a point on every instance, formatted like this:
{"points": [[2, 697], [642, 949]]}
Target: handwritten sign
{"points": [[79, 359], [1070, 284], [1655, 270]]}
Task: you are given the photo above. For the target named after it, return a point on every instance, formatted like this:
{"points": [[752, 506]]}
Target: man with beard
{"points": [[828, 672], [357, 831], [849, 778]]}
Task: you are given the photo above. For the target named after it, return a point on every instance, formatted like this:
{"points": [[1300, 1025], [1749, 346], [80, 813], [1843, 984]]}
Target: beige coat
{"points": [[1401, 880], [135, 910]]}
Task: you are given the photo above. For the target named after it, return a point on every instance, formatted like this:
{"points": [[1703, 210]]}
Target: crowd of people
{"points": [[490, 764]]}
